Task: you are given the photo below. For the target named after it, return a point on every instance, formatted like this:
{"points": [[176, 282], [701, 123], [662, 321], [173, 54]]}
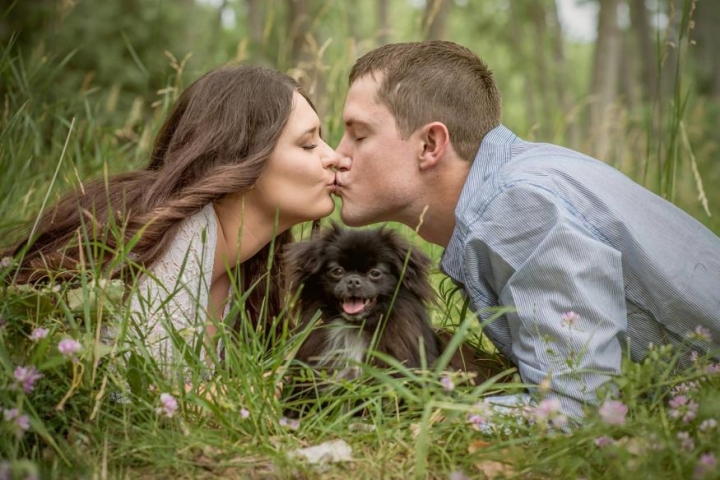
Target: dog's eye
{"points": [[375, 274], [337, 272]]}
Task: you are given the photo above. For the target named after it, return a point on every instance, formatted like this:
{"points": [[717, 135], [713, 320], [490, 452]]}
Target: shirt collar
{"points": [[496, 149]]}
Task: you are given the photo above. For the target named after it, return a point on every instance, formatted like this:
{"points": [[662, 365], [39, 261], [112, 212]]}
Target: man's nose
{"points": [[345, 161]]}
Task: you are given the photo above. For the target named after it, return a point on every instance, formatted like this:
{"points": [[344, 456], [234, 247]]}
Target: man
{"points": [[592, 263]]}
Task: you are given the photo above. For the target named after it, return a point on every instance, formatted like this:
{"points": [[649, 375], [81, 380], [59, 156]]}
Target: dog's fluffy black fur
{"points": [[370, 288]]}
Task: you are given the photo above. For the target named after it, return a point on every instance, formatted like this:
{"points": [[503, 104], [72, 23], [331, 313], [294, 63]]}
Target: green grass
{"points": [[413, 427]]}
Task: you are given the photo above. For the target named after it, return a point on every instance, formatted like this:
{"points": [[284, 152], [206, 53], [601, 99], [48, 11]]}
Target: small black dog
{"points": [[371, 290]]}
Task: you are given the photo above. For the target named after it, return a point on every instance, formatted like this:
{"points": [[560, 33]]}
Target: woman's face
{"points": [[300, 175]]}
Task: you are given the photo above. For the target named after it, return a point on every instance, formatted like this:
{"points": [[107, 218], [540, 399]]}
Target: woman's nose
{"points": [[331, 159]]}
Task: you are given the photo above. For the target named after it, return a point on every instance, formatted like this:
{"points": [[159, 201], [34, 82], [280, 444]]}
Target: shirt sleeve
{"points": [[543, 260], [172, 298]]}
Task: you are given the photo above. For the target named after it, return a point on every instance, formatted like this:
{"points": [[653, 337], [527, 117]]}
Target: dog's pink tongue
{"points": [[353, 305]]}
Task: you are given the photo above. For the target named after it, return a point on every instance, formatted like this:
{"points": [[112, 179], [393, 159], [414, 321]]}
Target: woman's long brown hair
{"points": [[215, 142]]}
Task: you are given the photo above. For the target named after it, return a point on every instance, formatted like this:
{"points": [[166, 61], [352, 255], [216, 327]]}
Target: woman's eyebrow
{"points": [[309, 131]]}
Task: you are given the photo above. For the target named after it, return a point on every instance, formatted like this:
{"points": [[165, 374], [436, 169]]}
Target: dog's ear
{"points": [[415, 274], [301, 260]]}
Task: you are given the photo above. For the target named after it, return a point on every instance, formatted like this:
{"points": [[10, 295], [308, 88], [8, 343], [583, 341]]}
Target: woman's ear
{"points": [[435, 140]]}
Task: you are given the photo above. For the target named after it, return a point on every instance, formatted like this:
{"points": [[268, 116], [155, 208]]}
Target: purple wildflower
{"points": [[168, 405], [686, 443], [603, 441], [244, 413], [705, 465], [69, 347], [613, 412], [447, 383], [21, 422], [683, 407], [38, 334], [684, 388], [26, 377], [694, 356], [713, 368], [547, 407], [569, 319], [700, 333], [458, 475], [292, 424], [5, 262], [707, 425]]}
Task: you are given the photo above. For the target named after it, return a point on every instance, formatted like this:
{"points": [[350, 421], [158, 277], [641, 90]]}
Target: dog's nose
{"points": [[352, 282]]}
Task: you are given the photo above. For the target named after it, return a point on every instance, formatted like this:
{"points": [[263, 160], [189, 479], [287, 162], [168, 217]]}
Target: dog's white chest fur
{"points": [[346, 348]]}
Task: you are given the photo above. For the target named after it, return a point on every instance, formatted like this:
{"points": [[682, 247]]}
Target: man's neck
{"points": [[437, 207]]}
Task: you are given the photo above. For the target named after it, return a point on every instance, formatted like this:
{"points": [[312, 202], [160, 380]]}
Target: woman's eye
{"points": [[309, 147], [375, 274], [359, 139]]}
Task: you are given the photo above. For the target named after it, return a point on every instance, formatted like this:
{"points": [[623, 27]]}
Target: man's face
{"points": [[380, 180]]}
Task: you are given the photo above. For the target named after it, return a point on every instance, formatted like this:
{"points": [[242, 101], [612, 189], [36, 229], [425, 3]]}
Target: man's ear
{"points": [[435, 141]]}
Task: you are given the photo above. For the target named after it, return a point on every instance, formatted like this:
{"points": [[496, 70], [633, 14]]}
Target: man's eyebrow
{"points": [[355, 122]]}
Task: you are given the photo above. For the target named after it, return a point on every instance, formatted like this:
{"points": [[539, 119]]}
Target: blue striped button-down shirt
{"points": [[546, 230]]}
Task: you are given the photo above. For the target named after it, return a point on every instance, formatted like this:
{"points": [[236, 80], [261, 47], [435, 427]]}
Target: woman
{"points": [[237, 163]]}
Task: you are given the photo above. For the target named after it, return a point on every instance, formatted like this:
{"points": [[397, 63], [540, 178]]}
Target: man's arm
{"points": [[541, 258]]}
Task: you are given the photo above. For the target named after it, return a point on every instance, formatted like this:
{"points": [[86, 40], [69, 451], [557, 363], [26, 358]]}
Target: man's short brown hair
{"points": [[423, 82]]}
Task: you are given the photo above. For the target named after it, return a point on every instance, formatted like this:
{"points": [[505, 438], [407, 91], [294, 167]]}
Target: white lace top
{"points": [[174, 296]]}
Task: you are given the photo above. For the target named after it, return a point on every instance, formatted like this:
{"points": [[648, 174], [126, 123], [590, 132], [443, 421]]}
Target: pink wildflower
{"points": [[447, 383], [713, 368], [707, 425], [292, 424], [547, 408], [168, 405], [550, 409], [613, 412], [684, 388], [569, 319], [38, 334], [694, 356], [476, 420], [686, 443], [458, 475], [683, 407], [21, 422], [603, 441], [700, 333], [26, 377], [244, 413], [705, 465], [5, 262], [69, 347]]}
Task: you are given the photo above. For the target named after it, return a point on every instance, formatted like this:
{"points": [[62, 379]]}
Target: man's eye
{"points": [[375, 273], [309, 147]]}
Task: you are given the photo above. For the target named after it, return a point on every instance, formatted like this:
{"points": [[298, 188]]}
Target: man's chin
{"points": [[352, 219]]}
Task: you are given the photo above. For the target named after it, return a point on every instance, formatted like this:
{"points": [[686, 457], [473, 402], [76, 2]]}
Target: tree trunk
{"points": [[298, 28], [569, 114], [383, 24], [605, 78], [434, 19], [645, 48], [706, 52], [518, 46], [539, 19]]}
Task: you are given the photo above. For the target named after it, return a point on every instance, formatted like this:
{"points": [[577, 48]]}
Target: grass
{"points": [[414, 426]]}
